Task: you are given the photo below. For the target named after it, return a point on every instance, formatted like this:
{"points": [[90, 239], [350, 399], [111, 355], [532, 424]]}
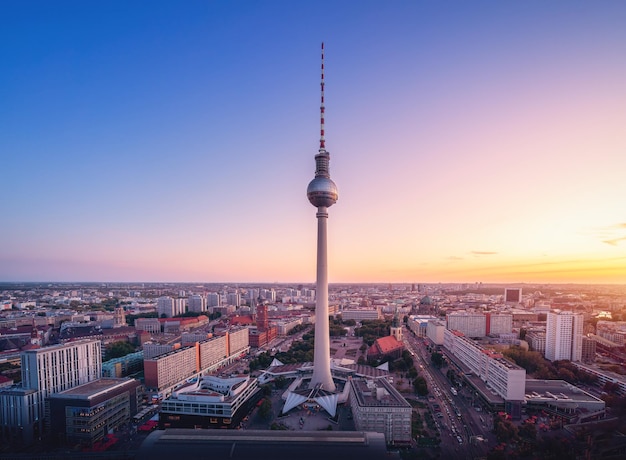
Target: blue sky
{"points": [[166, 141]]}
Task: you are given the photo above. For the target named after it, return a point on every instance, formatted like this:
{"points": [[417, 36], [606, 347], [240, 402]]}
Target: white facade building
{"points": [[46, 371], [564, 335], [197, 303], [434, 331], [165, 307], [213, 299], [505, 377], [499, 323], [359, 314], [469, 323]]}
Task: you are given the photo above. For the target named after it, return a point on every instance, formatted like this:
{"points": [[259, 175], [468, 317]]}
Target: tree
{"points": [[436, 358], [118, 349], [504, 430], [214, 315], [265, 411], [420, 386]]}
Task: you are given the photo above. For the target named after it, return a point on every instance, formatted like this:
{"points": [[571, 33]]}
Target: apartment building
{"points": [[564, 335], [471, 324], [507, 379]]}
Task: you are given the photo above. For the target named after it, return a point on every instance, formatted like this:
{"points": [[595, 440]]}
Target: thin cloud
{"points": [[483, 253], [454, 258], [610, 234], [614, 241]]}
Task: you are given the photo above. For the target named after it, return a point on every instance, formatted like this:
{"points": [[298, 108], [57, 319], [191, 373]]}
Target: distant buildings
{"points": [[197, 303], [168, 307], [513, 295], [588, 350], [564, 335], [536, 340], [360, 314]]}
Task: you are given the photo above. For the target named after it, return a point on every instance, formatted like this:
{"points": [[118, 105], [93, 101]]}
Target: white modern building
{"points": [[499, 323], [359, 314], [419, 324], [471, 324], [213, 299], [564, 335], [506, 378], [435, 330], [197, 303]]}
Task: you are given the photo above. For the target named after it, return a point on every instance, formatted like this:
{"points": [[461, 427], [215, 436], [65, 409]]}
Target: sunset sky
{"points": [[174, 141]]}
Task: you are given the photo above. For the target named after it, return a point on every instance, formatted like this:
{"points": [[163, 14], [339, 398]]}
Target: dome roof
{"points": [[426, 301]]}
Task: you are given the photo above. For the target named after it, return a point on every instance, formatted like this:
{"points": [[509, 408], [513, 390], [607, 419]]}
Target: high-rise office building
{"points": [[46, 371], [322, 193], [564, 335], [61, 367]]}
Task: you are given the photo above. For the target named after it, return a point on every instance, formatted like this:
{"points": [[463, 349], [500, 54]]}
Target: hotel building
{"points": [[46, 371]]}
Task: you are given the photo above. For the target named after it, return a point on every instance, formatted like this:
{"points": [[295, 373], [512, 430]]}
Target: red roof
{"points": [[241, 320], [388, 344]]}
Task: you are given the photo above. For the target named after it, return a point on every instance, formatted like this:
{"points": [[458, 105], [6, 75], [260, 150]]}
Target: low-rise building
{"points": [[360, 314], [211, 402]]}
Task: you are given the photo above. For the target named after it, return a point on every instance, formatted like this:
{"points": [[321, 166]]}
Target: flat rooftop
{"points": [[274, 444], [538, 389], [93, 388], [377, 393]]}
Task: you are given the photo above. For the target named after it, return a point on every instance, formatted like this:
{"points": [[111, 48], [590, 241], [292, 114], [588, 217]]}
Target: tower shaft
{"points": [[321, 356]]}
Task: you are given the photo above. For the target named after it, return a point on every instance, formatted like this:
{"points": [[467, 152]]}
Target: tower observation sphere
{"points": [[322, 192]]}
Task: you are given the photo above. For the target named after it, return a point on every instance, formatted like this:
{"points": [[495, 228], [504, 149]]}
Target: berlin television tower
{"points": [[322, 193]]}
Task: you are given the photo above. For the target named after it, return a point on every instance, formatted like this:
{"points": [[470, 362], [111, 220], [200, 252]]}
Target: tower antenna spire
{"points": [[322, 140]]}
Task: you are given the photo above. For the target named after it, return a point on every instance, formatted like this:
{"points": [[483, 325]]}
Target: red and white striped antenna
{"points": [[322, 140]]}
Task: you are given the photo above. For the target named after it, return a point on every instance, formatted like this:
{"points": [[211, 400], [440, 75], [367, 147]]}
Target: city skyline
{"points": [[471, 142]]}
